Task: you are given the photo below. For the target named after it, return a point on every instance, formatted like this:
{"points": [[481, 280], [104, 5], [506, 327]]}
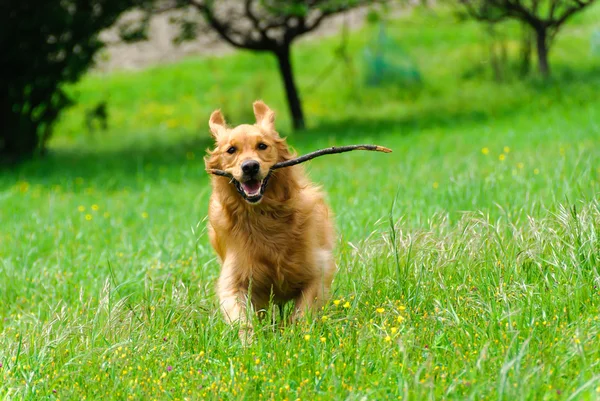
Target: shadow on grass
{"points": [[182, 160], [152, 161]]}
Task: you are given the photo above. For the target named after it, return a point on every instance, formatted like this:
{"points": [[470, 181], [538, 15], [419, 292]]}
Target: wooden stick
{"points": [[327, 151], [219, 172]]}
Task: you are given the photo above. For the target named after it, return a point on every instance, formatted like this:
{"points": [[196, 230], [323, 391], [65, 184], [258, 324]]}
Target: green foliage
{"points": [[482, 283], [44, 45]]}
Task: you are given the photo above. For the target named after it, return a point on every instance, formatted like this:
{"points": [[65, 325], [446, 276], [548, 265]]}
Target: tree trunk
{"points": [[293, 99], [14, 149], [18, 135], [541, 36]]}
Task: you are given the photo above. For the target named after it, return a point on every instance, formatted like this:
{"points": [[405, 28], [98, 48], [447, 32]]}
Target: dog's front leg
{"points": [[233, 300], [317, 290], [311, 298]]}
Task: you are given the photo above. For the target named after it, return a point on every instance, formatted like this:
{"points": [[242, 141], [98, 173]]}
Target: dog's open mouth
{"points": [[253, 189]]}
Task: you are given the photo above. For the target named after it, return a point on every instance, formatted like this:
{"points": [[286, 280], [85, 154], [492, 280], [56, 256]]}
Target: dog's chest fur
{"points": [[270, 249], [271, 252]]}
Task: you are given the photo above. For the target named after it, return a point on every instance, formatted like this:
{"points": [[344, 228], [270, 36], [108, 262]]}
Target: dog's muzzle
{"points": [[252, 190]]}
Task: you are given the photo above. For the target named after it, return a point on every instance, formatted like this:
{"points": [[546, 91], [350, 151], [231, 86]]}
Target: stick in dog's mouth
{"points": [[253, 190]]}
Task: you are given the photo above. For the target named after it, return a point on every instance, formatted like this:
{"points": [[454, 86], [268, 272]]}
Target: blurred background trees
{"points": [[44, 45], [543, 17], [50, 44], [256, 25]]}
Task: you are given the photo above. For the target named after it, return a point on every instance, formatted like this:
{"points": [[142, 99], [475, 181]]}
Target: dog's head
{"points": [[247, 152]]}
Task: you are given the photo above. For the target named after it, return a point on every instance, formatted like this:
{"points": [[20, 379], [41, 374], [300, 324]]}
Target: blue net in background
{"points": [[386, 63]]}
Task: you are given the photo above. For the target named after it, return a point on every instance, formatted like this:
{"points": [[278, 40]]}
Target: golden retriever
{"points": [[272, 230]]}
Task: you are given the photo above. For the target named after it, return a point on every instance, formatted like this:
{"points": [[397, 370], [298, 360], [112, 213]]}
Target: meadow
{"points": [[468, 258]]}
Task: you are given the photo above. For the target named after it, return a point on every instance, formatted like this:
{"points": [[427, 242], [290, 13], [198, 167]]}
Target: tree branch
{"points": [[254, 19], [569, 12], [480, 14], [227, 33]]}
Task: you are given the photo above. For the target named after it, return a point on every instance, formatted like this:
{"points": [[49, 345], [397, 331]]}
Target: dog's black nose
{"points": [[250, 167]]}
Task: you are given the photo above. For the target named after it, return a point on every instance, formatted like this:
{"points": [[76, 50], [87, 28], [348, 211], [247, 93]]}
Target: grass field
{"points": [[468, 259]]}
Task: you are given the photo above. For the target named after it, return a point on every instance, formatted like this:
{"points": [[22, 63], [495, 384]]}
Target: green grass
{"points": [[469, 258]]}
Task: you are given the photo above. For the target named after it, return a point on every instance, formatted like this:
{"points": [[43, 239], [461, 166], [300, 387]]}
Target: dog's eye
{"points": [[262, 146], [231, 150]]}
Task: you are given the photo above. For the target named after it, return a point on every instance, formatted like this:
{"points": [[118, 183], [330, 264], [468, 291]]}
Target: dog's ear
{"points": [[265, 117], [217, 124]]}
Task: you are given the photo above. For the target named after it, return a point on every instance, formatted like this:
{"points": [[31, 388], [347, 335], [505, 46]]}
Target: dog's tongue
{"points": [[251, 187]]}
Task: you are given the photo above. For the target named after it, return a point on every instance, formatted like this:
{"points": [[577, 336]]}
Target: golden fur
{"points": [[281, 247]]}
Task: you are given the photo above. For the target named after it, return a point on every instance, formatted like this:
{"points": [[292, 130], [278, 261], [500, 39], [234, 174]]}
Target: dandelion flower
{"points": [[347, 305], [307, 337], [502, 157], [388, 339], [324, 318], [394, 330], [380, 310], [400, 319], [520, 165], [81, 208], [144, 215], [95, 207], [336, 302], [485, 151], [435, 185], [323, 339], [506, 149], [88, 217]]}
